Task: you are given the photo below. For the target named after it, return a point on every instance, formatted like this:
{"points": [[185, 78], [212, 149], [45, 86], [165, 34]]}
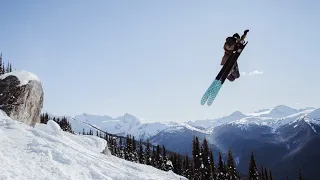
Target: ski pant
{"points": [[234, 73]]}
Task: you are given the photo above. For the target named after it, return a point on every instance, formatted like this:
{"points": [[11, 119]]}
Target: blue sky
{"points": [[155, 59]]}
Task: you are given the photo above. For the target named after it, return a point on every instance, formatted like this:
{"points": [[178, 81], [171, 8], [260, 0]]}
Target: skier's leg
{"points": [[225, 58], [231, 77], [235, 71]]}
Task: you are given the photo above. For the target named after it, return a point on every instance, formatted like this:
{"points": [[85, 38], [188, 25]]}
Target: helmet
{"points": [[236, 35]]}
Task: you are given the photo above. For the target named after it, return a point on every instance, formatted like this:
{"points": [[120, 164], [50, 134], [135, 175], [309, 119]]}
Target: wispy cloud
{"points": [[252, 73]]}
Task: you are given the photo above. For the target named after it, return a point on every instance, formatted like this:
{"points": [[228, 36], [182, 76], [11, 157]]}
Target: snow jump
{"points": [[233, 47]]}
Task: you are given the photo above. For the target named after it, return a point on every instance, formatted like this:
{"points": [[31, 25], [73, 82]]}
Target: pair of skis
{"points": [[216, 85]]}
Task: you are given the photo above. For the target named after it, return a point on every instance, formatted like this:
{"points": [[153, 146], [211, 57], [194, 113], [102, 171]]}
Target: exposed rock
{"points": [[21, 96]]}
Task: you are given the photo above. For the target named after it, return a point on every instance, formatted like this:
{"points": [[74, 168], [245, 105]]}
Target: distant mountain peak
{"points": [[282, 111], [129, 118], [237, 114], [283, 107]]}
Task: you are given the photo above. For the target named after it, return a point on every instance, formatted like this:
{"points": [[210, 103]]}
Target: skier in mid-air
{"points": [[233, 47], [228, 48]]}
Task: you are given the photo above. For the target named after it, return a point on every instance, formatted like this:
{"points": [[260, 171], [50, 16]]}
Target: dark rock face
{"points": [[21, 102]]}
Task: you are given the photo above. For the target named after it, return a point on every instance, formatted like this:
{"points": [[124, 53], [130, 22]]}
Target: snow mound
{"points": [[47, 152], [23, 76]]}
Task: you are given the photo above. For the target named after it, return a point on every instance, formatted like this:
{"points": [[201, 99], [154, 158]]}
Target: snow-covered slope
{"points": [[47, 152]]}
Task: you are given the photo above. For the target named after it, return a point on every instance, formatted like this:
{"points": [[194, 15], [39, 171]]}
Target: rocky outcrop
{"points": [[21, 96]]}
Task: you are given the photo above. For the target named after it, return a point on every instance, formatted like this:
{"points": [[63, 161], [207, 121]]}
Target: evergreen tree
{"points": [[1, 67], [186, 167], [148, 153], [121, 149], [221, 168], [153, 156], [196, 156], [206, 160], [65, 125], [213, 166], [192, 171], [157, 158], [202, 171], [134, 154], [164, 157], [128, 148], [141, 158], [178, 164], [253, 173], [8, 68], [174, 162], [231, 168]]}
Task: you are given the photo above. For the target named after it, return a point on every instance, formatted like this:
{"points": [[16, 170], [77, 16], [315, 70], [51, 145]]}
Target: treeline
{"points": [[130, 149], [201, 165], [63, 122], [3, 68]]}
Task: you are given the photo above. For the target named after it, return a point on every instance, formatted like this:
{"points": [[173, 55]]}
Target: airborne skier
{"points": [[233, 48], [228, 48]]}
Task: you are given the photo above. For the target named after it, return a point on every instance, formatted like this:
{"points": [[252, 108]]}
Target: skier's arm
{"points": [[244, 35]]}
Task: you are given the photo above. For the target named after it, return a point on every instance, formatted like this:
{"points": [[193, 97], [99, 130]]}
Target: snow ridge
{"points": [[278, 116]]}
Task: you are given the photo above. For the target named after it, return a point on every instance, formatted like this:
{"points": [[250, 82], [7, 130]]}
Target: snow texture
{"points": [[47, 152], [23, 76]]}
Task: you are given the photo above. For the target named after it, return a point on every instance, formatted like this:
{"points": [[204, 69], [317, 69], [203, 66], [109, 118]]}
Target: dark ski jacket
{"points": [[229, 44]]}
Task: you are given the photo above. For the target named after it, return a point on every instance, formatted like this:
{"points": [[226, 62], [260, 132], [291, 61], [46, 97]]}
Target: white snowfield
{"points": [[47, 152], [23, 76]]}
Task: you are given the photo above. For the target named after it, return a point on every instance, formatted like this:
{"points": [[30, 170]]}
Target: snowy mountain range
{"points": [[129, 124], [278, 136]]}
